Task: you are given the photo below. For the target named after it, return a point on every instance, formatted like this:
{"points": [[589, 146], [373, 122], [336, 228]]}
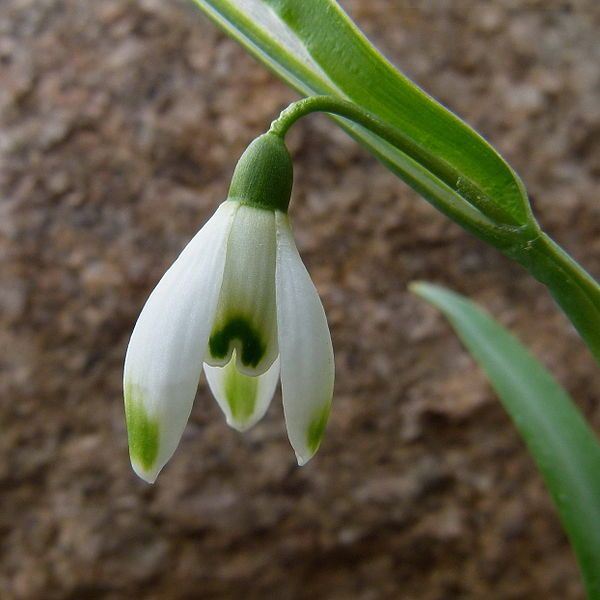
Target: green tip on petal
{"points": [[315, 432], [241, 393], [142, 433]]}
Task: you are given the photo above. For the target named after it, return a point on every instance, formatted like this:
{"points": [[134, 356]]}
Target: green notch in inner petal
{"points": [[238, 328], [240, 392], [142, 431], [316, 428]]}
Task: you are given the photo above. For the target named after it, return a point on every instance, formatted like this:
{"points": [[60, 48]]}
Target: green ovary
{"points": [[238, 328], [142, 431], [316, 428], [240, 392]]}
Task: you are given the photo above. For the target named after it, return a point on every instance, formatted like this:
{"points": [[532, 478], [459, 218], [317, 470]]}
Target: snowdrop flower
{"points": [[239, 304]]}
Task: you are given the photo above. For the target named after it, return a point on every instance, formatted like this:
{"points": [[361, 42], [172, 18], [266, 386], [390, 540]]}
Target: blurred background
{"points": [[120, 123]]}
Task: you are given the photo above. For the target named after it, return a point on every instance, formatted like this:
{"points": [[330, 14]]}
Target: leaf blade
{"points": [[564, 447]]}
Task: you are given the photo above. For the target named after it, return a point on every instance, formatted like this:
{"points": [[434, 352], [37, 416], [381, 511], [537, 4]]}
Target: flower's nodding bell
{"points": [[238, 303]]}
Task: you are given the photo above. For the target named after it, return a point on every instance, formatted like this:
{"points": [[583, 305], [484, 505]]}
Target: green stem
{"points": [[571, 286], [494, 215], [575, 291]]}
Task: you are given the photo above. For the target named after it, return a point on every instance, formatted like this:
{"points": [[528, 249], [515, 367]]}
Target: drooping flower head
{"points": [[239, 304]]}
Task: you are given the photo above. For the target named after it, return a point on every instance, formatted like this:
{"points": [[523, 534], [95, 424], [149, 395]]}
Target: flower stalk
{"points": [[496, 215]]}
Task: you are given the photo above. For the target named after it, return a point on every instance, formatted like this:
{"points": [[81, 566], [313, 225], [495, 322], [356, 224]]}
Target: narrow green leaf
{"points": [[317, 49], [564, 447]]}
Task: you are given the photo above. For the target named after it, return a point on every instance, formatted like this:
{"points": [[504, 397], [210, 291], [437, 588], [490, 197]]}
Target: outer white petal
{"points": [[243, 399], [246, 319], [167, 346], [307, 366]]}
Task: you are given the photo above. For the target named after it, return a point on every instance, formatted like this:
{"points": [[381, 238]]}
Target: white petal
{"points": [[246, 319], [307, 367], [243, 399], [167, 346]]}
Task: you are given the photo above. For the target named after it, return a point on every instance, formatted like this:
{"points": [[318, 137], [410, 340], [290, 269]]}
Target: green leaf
{"points": [[564, 447], [317, 49]]}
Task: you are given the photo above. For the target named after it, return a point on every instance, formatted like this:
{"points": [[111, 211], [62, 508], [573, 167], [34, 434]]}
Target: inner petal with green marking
{"points": [[142, 430], [246, 319], [240, 393], [243, 399]]}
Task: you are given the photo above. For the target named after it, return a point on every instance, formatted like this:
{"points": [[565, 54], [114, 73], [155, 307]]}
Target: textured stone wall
{"points": [[120, 122]]}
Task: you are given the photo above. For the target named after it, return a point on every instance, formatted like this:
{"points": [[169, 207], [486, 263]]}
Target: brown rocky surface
{"points": [[120, 122]]}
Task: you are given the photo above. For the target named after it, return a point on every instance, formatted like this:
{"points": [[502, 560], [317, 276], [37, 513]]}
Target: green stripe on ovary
{"points": [[240, 392], [238, 328], [142, 431], [316, 428]]}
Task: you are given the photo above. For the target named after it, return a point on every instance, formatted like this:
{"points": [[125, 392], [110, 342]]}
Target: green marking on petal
{"points": [[240, 392], [316, 428], [238, 328], [142, 431]]}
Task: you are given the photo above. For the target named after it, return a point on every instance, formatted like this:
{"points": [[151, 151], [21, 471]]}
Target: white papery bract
{"points": [[239, 303]]}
